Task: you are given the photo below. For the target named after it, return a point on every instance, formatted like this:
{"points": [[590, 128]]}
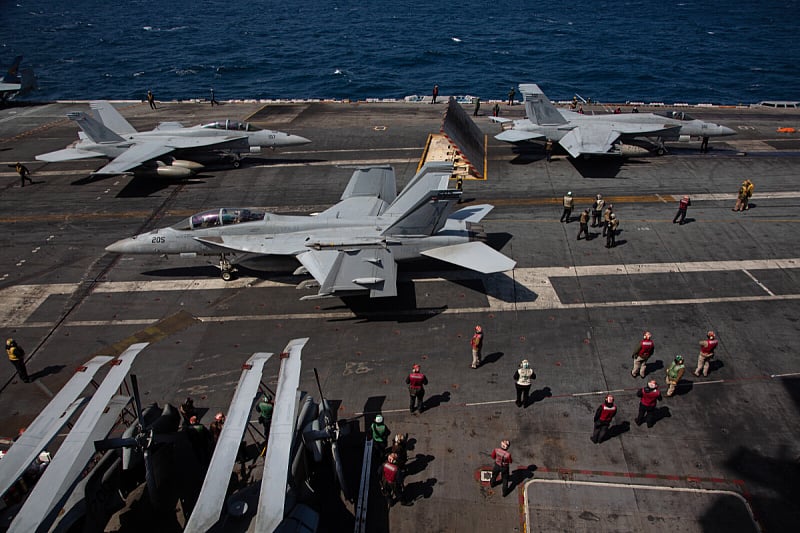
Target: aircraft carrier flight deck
{"points": [[724, 454]]}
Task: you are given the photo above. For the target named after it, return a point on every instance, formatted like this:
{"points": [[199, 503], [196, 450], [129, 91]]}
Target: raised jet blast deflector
{"points": [[466, 136]]}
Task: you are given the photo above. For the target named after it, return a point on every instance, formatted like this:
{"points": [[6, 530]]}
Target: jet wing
{"points": [[347, 271], [515, 136], [212, 494], [42, 430], [135, 156], [599, 138], [272, 495], [68, 154], [596, 139], [473, 255]]}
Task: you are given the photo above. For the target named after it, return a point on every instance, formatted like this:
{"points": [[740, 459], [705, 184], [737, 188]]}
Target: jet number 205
{"points": [[158, 240]]}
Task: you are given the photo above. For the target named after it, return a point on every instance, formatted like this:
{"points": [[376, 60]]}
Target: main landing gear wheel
{"points": [[236, 163], [227, 275]]}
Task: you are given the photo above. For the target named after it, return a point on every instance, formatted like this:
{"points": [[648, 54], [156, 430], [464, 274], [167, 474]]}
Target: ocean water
{"points": [[668, 51]]}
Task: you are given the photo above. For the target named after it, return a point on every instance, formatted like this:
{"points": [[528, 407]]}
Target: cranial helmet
{"points": [[652, 384], [393, 458], [679, 359], [478, 329], [609, 399], [379, 419], [9, 342], [415, 368], [219, 416], [710, 334], [525, 363], [647, 335], [505, 444], [569, 193]]}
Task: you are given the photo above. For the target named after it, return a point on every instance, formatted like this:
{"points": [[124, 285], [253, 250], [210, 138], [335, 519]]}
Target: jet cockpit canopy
{"points": [[675, 115], [231, 125], [225, 216]]}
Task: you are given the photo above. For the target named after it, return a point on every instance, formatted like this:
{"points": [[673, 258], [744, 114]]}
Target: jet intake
{"points": [[255, 149]]}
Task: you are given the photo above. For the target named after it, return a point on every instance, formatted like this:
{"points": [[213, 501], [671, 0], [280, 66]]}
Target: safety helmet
{"points": [[398, 438], [392, 458], [415, 368], [679, 359], [611, 206], [193, 419], [379, 419], [613, 216], [569, 193], [268, 397], [646, 335], [478, 329], [505, 444], [652, 384], [525, 363], [609, 399], [219, 417], [10, 342], [599, 196], [710, 334]]}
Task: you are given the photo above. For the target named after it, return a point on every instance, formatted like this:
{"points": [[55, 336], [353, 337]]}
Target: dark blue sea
{"points": [[667, 51]]}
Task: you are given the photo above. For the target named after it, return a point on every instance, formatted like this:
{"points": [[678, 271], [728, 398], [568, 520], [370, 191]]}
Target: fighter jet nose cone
{"points": [[117, 247], [297, 140], [727, 131]]}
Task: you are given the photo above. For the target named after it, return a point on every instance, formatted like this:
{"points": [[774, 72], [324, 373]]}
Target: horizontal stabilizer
{"points": [[501, 120], [474, 256], [473, 213], [68, 154], [517, 136]]}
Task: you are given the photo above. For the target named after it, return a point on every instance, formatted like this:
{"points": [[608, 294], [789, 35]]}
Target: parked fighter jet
{"points": [[16, 81], [581, 134], [109, 135], [351, 248]]}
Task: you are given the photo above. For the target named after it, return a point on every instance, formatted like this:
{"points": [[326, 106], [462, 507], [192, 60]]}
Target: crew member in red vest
{"points": [[502, 460], [683, 205], [391, 480], [416, 382], [602, 419], [650, 395], [707, 348], [641, 354], [477, 346]]}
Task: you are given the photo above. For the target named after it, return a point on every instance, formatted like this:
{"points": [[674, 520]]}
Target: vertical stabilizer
{"points": [[539, 108], [110, 117], [427, 216], [11, 75], [94, 130], [433, 176]]}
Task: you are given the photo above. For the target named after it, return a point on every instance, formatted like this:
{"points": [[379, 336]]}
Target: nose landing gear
{"points": [[226, 268]]}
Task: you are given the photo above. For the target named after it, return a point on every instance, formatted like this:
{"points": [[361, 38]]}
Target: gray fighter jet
{"points": [[581, 134], [109, 135], [350, 248]]}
